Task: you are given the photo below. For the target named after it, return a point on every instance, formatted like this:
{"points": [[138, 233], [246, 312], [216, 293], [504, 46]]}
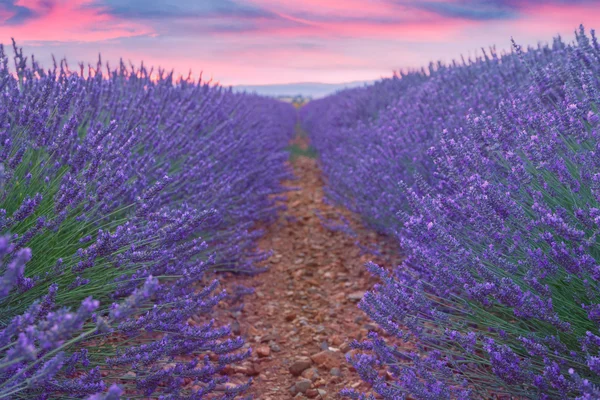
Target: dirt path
{"points": [[303, 313]]}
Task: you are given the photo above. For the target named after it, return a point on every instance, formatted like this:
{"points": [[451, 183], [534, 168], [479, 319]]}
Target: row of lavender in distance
{"points": [[488, 173], [122, 192]]}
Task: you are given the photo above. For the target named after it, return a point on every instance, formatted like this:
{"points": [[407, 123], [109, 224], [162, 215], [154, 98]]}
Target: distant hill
{"points": [[304, 89]]}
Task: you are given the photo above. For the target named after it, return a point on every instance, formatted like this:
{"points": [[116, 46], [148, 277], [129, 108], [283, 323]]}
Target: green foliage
{"points": [[296, 150]]}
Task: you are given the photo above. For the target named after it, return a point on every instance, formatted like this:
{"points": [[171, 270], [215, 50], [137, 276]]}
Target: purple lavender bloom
{"points": [[487, 173], [114, 393], [13, 272], [109, 178]]}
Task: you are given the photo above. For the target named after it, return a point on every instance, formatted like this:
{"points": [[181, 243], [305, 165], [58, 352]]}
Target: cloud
{"points": [[482, 10], [12, 13], [268, 41], [63, 20], [164, 9], [187, 17]]}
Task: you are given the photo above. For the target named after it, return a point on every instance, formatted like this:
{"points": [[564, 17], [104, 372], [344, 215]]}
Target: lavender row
{"points": [[123, 192], [487, 172]]}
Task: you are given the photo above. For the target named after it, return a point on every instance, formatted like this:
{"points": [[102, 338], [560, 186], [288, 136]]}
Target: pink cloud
{"points": [[339, 8], [417, 23], [67, 20], [356, 18], [285, 40], [269, 65], [551, 19]]}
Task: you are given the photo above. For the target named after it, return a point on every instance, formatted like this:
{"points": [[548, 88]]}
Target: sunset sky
{"points": [[280, 41]]}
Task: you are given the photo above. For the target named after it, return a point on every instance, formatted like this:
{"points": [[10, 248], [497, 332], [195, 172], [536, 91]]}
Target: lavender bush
{"points": [[488, 174], [122, 192]]}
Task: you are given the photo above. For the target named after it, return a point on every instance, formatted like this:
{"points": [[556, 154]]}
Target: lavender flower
{"points": [[131, 190], [486, 172]]}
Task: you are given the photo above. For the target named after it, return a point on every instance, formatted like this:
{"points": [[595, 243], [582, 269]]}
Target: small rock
{"points": [[274, 347], [345, 347], [322, 392], [303, 385], [246, 369], [320, 382], [263, 351], [235, 328], [268, 338], [290, 317], [336, 340], [299, 365], [335, 372], [328, 359], [311, 393], [311, 373], [324, 346]]}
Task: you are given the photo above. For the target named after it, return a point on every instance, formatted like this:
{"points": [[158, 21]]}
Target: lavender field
{"points": [[129, 199], [121, 198], [487, 173]]}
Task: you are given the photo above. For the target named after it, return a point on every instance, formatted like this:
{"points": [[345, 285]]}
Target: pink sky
{"points": [[280, 41]]}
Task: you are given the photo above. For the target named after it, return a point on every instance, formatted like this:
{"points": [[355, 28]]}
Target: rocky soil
{"points": [[303, 314]]}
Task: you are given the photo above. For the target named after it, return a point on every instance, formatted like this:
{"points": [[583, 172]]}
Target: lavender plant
{"points": [[488, 176], [122, 193]]}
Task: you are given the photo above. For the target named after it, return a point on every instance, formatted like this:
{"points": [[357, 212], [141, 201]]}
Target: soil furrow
{"points": [[303, 314]]}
